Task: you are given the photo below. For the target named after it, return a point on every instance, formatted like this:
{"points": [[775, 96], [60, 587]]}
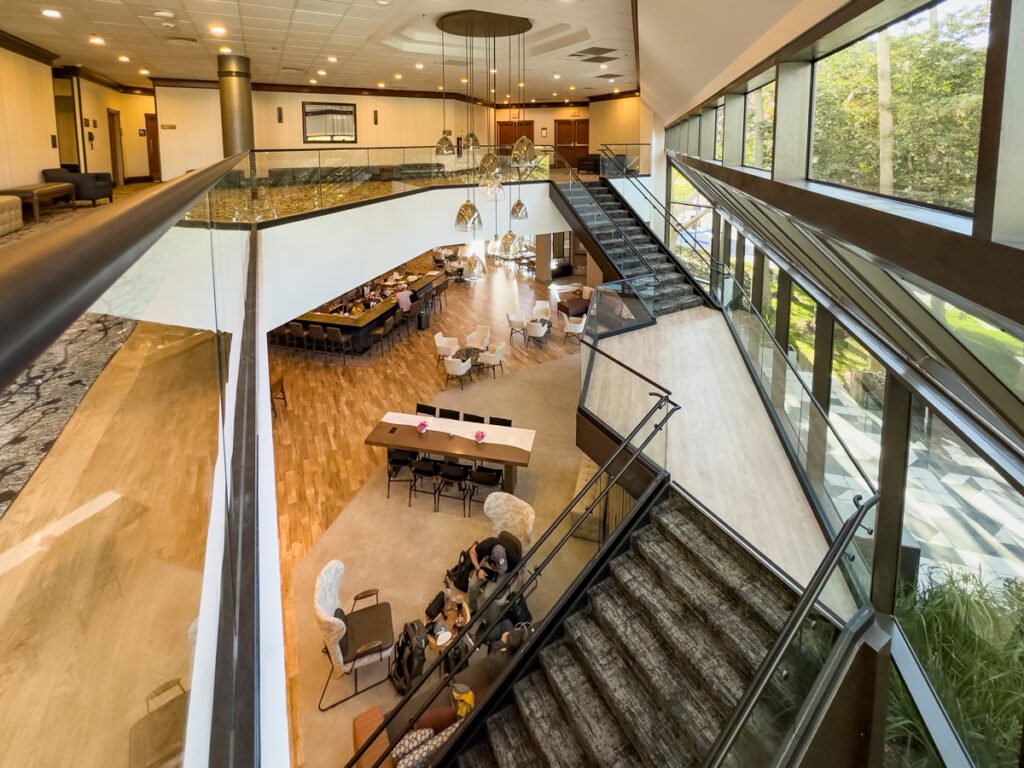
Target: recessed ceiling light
{"points": [[332, 59], [312, 80], [224, 49], [492, 90], [566, 101], [418, 66], [51, 14], [380, 85], [611, 79], [97, 40], [322, 72], [463, 79], [440, 87], [143, 71], [533, 101], [123, 58], [508, 95], [398, 75], [572, 87], [216, 29], [554, 93], [557, 76], [522, 84], [383, 2], [494, 71], [604, 66], [161, 14], [615, 90]]}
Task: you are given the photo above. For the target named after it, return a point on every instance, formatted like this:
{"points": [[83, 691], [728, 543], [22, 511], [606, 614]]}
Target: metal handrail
{"points": [[745, 707], [49, 280], [520, 567]]}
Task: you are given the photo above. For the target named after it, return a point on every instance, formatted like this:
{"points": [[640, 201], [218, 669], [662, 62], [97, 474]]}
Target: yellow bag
{"points": [[464, 700]]}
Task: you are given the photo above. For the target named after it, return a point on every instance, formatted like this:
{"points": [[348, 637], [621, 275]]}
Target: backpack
{"points": [[458, 575], [410, 655]]}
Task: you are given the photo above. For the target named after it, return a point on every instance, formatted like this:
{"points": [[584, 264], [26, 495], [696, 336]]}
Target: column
{"points": [[732, 142], [235, 103], [542, 247], [892, 488], [792, 118]]}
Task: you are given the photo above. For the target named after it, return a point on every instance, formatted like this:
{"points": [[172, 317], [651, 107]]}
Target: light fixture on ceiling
{"points": [[218, 30], [557, 76], [467, 218], [398, 75], [518, 211], [522, 83], [162, 14], [572, 87], [383, 2], [97, 40], [440, 87], [444, 145], [50, 13], [312, 81], [332, 59], [143, 71], [224, 49], [494, 71], [123, 58], [611, 79], [554, 93], [381, 85], [463, 80], [322, 72], [604, 66], [615, 90], [511, 243], [418, 65]]}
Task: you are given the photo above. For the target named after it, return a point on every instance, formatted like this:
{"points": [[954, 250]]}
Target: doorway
{"points": [[67, 131], [572, 140], [116, 148], [510, 130], [153, 147]]}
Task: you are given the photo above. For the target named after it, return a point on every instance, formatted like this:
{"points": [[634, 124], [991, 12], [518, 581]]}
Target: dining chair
{"points": [[572, 326], [492, 359], [398, 460], [482, 481], [480, 338], [500, 422], [426, 410], [445, 346], [452, 474], [472, 417], [448, 413], [458, 369], [516, 324], [536, 331], [542, 310], [424, 470]]}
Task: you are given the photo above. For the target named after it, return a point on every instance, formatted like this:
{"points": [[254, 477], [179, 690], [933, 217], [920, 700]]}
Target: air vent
{"points": [[595, 51], [181, 41], [294, 70], [599, 59]]}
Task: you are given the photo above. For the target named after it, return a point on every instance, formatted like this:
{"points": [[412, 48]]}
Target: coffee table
{"points": [[34, 194], [467, 353], [450, 617]]}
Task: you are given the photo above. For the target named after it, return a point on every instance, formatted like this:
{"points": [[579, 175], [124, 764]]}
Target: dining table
{"points": [[453, 438]]}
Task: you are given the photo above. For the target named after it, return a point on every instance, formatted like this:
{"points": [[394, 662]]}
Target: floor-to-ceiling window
{"points": [[719, 131], [759, 127], [899, 111], [692, 214]]}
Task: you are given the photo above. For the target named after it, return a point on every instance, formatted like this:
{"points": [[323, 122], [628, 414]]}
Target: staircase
{"points": [[649, 671], [669, 290]]}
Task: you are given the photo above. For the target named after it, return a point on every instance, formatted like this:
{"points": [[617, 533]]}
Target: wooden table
{"points": [[34, 194], [450, 618], [436, 440]]}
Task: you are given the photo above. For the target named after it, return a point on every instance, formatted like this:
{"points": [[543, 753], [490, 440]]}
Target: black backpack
{"points": [[458, 575], [410, 655]]}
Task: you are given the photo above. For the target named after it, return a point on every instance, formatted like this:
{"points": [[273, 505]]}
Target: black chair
{"points": [[452, 474], [398, 460], [88, 186], [472, 417], [498, 421], [426, 410], [483, 479], [422, 470], [448, 413]]}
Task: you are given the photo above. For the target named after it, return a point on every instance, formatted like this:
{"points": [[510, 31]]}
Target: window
{"points": [[899, 112], [856, 395], [770, 293], [759, 127], [693, 213], [719, 131], [802, 309], [328, 123]]}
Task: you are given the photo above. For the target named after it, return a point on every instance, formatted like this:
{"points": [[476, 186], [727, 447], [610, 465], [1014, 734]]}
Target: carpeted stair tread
{"points": [[695, 712], [598, 731], [510, 741], [552, 734], [651, 731], [478, 756], [704, 595], [691, 640], [716, 552]]}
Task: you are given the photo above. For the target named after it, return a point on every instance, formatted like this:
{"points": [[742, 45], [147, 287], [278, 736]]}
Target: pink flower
{"points": [[421, 427], [479, 435]]}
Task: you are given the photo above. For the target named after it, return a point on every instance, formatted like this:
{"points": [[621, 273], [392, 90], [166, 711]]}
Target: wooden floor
{"points": [[319, 456], [101, 556]]}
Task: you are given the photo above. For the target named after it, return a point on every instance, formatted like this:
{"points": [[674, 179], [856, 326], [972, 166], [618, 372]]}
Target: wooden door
{"points": [[510, 130], [572, 140], [116, 153], [153, 147]]}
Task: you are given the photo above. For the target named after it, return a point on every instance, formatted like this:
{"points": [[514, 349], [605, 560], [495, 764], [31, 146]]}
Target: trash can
{"points": [[423, 320]]}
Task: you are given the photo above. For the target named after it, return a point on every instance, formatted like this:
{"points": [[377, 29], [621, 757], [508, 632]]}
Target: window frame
{"points": [[332, 140]]}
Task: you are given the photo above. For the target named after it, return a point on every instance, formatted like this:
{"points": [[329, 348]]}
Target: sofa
{"points": [[88, 186], [10, 214]]}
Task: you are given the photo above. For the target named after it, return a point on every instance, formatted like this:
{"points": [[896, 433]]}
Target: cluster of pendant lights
{"points": [[523, 157]]}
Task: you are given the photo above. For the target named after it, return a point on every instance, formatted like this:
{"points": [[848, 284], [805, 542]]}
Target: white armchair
{"points": [[446, 346], [516, 324], [573, 326], [480, 338], [492, 359], [357, 639], [542, 310], [536, 331], [458, 369]]}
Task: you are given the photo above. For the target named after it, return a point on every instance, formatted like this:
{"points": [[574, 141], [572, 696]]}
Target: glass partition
{"points": [[116, 453]]}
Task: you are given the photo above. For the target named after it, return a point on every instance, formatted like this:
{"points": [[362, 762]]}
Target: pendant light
{"points": [[520, 155], [518, 211], [444, 145], [470, 141], [489, 164], [467, 218]]}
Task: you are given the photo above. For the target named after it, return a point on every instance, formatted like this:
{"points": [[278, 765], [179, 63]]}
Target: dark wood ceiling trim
{"points": [[545, 105], [84, 73], [346, 91], [177, 82], [26, 49], [960, 264], [636, 44], [613, 96]]}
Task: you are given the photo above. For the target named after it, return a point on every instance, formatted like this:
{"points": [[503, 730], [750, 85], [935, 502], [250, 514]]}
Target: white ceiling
{"points": [[372, 42]]}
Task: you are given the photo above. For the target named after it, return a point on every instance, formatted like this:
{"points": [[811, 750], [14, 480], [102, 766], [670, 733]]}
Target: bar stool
{"points": [[339, 343], [297, 332], [318, 337]]}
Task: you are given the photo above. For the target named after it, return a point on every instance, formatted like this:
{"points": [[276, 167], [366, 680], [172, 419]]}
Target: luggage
{"points": [[410, 655]]}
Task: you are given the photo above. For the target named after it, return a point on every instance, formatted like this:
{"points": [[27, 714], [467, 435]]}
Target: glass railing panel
{"points": [[626, 160], [964, 611], [288, 182], [114, 461], [617, 307]]}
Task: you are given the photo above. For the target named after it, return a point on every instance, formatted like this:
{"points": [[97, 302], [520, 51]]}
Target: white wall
{"points": [[306, 263], [96, 100], [194, 141], [27, 120], [545, 118], [619, 121]]}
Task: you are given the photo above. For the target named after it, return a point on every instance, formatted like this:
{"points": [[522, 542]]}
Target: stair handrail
{"points": [[671, 220], [664, 400], [745, 707], [574, 177]]}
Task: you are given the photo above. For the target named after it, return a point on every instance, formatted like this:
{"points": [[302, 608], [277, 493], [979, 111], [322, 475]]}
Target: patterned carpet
{"points": [[34, 409]]}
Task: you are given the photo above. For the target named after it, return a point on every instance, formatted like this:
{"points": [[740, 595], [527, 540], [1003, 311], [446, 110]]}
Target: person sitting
{"points": [[504, 637], [490, 563], [404, 298]]}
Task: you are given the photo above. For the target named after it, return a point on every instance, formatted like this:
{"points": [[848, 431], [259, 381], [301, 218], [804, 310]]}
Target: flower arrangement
{"points": [[479, 435], [421, 427]]}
